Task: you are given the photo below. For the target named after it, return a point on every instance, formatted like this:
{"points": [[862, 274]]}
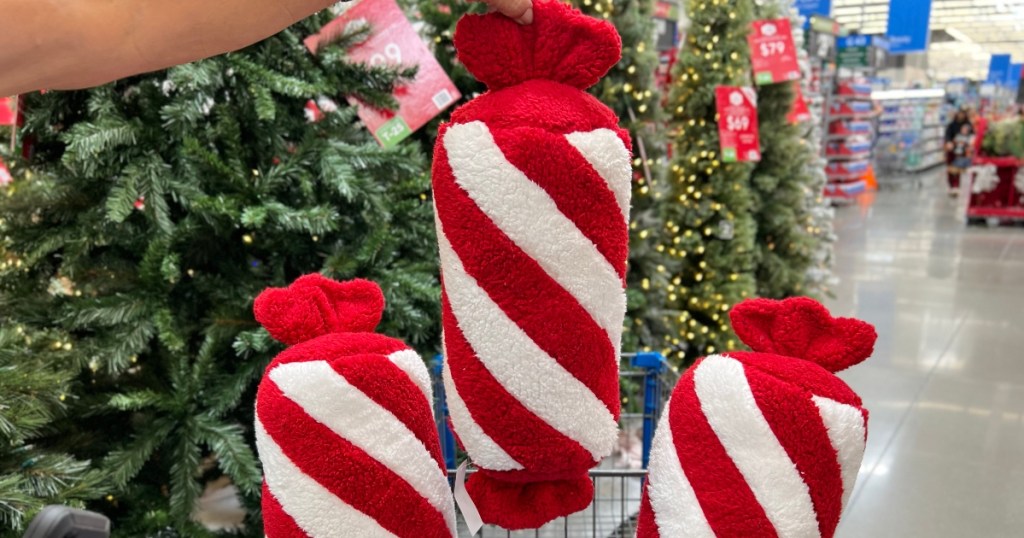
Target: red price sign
{"points": [[737, 124], [800, 112], [393, 41], [772, 51], [9, 111]]}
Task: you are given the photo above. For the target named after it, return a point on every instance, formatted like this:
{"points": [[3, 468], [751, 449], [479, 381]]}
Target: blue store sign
{"points": [[1013, 76], [814, 7], [999, 69], [909, 25], [860, 40]]}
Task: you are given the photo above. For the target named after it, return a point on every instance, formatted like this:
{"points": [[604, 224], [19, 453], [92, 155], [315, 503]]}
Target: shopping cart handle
{"points": [[63, 522]]}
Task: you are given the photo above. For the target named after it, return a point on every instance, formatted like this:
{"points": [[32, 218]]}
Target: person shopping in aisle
{"points": [[963, 153], [61, 45], [959, 127]]}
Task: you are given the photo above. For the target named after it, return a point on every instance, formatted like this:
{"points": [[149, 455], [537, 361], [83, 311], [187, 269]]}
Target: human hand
{"points": [[520, 11]]}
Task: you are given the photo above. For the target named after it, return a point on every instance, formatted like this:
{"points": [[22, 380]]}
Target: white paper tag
{"points": [[466, 505]]}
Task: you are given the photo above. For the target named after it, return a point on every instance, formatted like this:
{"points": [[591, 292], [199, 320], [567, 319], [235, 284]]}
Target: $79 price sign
{"points": [[773, 48], [772, 51]]}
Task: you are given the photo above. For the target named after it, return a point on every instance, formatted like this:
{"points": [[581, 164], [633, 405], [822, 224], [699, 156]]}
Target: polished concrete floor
{"points": [[945, 388]]}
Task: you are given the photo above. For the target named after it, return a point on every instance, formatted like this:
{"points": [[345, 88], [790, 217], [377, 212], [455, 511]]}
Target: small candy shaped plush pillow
{"points": [[344, 422], [531, 188], [766, 443]]}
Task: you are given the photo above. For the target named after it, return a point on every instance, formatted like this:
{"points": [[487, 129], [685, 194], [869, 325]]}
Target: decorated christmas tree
{"points": [[150, 214], [630, 90], [711, 232], [35, 380], [781, 186]]}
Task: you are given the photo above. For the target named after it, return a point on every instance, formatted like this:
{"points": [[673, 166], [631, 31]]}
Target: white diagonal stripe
{"points": [[676, 509], [846, 430], [410, 362], [486, 453], [331, 400], [733, 414], [524, 212], [529, 374], [604, 150], [319, 513]]}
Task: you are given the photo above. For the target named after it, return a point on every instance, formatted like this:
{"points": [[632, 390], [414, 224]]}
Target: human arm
{"points": [[67, 45], [60, 44]]}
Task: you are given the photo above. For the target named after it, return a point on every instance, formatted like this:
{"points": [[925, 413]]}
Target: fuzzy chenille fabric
{"points": [[531, 187], [765, 443], [344, 421]]}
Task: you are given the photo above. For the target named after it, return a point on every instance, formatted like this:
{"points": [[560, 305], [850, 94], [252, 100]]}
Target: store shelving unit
{"points": [[850, 119], [910, 132]]}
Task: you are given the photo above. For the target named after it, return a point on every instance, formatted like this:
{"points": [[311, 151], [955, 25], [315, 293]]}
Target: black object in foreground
{"points": [[63, 522]]}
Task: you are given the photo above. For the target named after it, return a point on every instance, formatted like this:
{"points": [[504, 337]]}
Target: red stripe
{"points": [[342, 348], [728, 503], [796, 422], [540, 103], [580, 193], [801, 373], [391, 388], [544, 451], [549, 315], [346, 470], [276, 522], [646, 526], [332, 346]]}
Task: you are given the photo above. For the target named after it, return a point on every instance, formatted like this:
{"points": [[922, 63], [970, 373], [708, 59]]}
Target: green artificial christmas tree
{"points": [[629, 89], [150, 214], [35, 381], [711, 232], [780, 185]]}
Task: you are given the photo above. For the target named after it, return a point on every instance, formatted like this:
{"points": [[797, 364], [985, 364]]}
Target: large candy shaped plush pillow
{"points": [[344, 425], [531, 185], [766, 443]]}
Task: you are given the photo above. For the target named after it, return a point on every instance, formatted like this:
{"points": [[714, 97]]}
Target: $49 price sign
{"points": [[772, 51], [737, 124]]}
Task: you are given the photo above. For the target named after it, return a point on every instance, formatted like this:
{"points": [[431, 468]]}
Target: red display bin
{"points": [[998, 196]]}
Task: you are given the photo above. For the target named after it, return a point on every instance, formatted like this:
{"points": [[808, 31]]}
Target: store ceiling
{"points": [[964, 32]]}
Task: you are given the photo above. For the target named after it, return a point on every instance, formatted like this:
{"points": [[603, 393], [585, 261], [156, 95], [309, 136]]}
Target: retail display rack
{"points": [[910, 131], [848, 140]]}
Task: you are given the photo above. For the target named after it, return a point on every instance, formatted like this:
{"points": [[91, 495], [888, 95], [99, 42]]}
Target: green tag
{"points": [[764, 77], [393, 132], [853, 57], [729, 155]]}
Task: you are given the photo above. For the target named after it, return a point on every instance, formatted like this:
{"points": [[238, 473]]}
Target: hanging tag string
{"points": [[466, 505]]}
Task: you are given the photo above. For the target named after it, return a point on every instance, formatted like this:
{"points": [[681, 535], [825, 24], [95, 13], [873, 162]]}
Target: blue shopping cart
{"points": [[645, 381]]}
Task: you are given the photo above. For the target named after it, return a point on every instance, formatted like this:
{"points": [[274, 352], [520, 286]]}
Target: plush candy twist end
{"points": [[314, 305], [802, 328], [562, 44]]}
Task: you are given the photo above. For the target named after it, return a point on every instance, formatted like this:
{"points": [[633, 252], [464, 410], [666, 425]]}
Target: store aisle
{"points": [[945, 388]]}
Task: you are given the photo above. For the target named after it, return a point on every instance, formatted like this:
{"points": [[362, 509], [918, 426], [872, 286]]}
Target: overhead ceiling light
{"points": [[958, 35]]}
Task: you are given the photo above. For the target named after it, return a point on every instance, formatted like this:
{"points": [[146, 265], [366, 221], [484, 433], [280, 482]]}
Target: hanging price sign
{"points": [[393, 41], [772, 51], [9, 111], [799, 113], [737, 124]]}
